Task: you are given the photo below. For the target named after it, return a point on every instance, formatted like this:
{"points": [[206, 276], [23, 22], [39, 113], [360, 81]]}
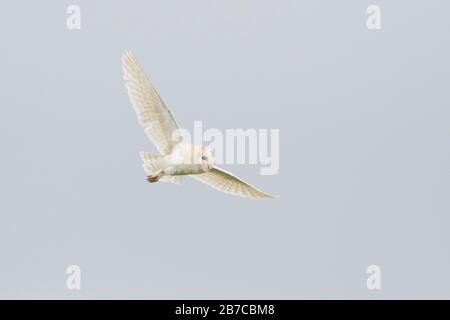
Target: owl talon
{"points": [[152, 178], [155, 177]]}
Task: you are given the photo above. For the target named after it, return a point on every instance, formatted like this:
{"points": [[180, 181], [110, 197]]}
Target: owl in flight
{"points": [[176, 158]]}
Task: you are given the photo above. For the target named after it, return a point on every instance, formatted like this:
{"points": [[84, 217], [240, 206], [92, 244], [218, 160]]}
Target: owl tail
{"points": [[155, 162]]}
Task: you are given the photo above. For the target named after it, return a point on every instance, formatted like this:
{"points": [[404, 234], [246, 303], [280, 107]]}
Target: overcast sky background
{"points": [[364, 150]]}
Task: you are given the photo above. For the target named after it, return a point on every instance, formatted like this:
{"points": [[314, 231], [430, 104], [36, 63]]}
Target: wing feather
{"points": [[228, 183], [157, 120]]}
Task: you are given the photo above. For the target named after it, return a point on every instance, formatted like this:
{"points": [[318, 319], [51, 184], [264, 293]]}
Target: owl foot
{"points": [[154, 177]]}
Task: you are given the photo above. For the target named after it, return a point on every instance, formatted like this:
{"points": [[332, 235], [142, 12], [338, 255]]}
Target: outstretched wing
{"points": [[158, 122], [226, 182]]}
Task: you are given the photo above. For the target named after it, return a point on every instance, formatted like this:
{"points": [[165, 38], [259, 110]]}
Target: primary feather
{"points": [[226, 182], [157, 120]]}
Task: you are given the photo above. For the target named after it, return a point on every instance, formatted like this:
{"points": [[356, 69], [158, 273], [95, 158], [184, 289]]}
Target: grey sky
{"points": [[364, 160]]}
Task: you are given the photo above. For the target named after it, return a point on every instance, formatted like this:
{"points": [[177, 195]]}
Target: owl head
{"points": [[203, 156]]}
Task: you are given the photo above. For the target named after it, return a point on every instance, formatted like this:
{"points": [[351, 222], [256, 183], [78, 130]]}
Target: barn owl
{"points": [[176, 157]]}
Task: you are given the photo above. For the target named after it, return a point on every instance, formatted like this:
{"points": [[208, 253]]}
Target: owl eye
{"points": [[203, 158]]}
